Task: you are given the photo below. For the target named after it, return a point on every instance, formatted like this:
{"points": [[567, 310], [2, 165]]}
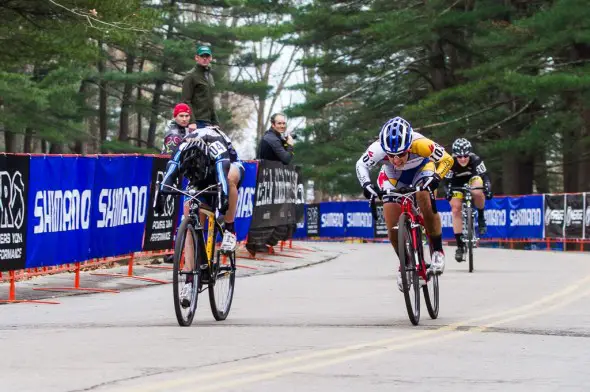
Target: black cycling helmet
{"points": [[195, 164], [461, 147]]}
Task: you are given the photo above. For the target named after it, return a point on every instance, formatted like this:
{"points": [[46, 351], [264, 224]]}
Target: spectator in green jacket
{"points": [[197, 90]]}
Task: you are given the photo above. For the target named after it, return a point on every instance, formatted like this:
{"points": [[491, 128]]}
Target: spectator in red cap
{"points": [[176, 129]]}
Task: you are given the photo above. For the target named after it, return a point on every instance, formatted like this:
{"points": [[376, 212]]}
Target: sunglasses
{"points": [[461, 156], [401, 155]]}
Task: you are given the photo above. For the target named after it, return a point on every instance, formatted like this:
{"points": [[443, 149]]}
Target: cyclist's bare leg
{"points": [[233, 179], [478, 197], [456, 209], [431, 220], [189, 246], [391, 212]]}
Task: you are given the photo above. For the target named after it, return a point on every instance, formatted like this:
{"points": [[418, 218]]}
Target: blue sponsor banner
{"points": [[358, 219], [60, 205], [119, 205], [446, 218], [496, 213], [245, 203], [332, 219], [525, 217]]}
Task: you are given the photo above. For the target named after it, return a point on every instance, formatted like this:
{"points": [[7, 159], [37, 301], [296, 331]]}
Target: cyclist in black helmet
{"points": [[467, 169]]}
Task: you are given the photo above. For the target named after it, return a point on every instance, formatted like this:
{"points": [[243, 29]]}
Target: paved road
{"points": [[520, 322]]}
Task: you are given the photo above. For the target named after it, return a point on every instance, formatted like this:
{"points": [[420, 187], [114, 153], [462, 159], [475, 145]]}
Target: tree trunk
{"points": [[517, 174], [28, 141], [56, 148], [102, 100], [138, 100], [126, 101], [9, 141], [159, 86]]}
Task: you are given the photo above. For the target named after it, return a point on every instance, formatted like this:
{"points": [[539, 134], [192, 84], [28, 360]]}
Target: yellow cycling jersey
{"points": [[421, 151], [426, 148]]}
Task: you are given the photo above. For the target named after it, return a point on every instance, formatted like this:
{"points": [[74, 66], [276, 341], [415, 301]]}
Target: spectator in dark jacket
{"points": [[176, 129], [274, 146], [197, 90]]}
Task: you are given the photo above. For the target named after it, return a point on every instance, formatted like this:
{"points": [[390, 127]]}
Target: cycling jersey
{"points": [[173, 136], [461, 175], [221, 155], [422, 151]]}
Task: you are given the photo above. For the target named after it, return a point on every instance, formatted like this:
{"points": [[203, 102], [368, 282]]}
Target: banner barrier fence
{"points": [[61, 212]]}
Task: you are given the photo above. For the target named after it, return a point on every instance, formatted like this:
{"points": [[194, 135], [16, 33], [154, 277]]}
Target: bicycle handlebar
{"points": [[466, 188], [406, 191]]}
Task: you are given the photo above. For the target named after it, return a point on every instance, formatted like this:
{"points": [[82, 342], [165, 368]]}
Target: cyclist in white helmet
{"points": [[407, 158]]}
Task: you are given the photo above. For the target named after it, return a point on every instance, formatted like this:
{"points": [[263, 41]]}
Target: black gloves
{"points": [[369, 191]]}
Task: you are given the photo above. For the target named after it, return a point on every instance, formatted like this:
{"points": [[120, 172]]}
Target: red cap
{"points": [[181, 108]]}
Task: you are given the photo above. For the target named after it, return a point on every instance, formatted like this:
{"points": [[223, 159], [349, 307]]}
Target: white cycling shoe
{"points": [[438, 262], [186, 294], [229, 243]]}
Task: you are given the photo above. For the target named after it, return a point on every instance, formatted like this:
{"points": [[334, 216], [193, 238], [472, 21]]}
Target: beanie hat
{"points": [[181, 108]]}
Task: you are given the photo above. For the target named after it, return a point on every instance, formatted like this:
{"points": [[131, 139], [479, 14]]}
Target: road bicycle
{"points": [[414, 267], [468, 215], [211, 269]]}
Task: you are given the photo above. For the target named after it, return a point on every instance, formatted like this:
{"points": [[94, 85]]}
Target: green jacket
{"points": [[197, 91]]}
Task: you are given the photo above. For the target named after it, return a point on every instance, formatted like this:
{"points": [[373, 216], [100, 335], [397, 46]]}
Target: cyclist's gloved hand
{"points": [[431, 183], [159, 201], [369, 191], [223, 204], [489, 194], [449, 195]]}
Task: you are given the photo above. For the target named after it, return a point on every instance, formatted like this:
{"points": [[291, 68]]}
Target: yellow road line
{"points": [[374, 347]]}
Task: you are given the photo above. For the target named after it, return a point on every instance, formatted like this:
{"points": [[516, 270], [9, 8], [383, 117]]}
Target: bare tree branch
{"points": [[91, 16], [525, 107], [487, 108]]}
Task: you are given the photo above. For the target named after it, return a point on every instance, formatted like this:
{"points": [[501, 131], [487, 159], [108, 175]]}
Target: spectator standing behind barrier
{"points": [[176, 129], [197, 90], [274, 146]]}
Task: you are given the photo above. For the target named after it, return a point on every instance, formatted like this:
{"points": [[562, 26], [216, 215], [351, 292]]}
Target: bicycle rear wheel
{"points": [[185, 314], [469, 212], [221, 285], [430, 290], [407, 258]]}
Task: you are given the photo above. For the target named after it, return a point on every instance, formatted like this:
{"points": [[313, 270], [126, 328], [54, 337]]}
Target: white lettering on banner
{"points": [[359, 219], [495, 217], [279, 186], [62, 210], [525, 217], [155, 237], [12, 201], [333, 219], [245, 205], [446, 219], [122, 206], [554, 216], [575, 217], [10, 254], [587, 218]]}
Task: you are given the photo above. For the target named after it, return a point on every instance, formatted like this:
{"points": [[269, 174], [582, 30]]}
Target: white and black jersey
{"points": [[460, 175]]}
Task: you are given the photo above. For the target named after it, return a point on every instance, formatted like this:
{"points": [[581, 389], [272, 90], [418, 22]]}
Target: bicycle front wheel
{"points": [[430, 290], [221, 285], [407, 259], [185, 312], [470, 236]]}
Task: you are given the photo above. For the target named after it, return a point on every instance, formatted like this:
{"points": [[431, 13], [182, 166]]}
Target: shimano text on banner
{"points": [[60, 210]]}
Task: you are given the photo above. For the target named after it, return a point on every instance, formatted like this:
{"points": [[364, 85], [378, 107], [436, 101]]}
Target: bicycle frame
{"points": [[467, 202], [409, 207], [195, 208]]}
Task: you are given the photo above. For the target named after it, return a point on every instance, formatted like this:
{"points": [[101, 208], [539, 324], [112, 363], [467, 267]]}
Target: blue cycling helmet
{"points": [[396, 136]]}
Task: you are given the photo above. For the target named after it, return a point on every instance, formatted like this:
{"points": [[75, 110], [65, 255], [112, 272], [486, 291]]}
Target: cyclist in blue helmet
{"points": [[406, 158]]}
